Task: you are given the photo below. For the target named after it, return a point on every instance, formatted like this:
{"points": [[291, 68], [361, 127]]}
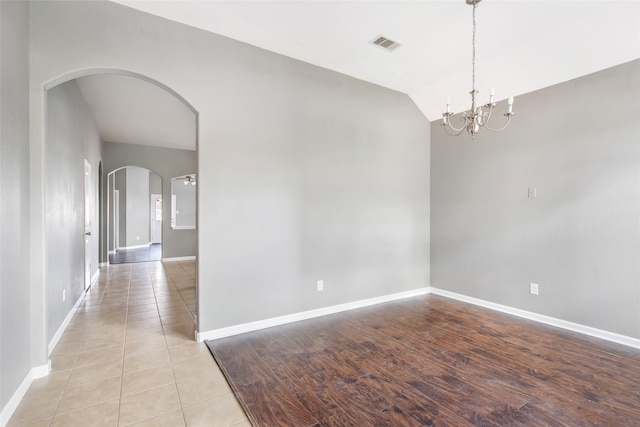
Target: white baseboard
{"points": [[290, 318], [103, 264], [65, 323], [575, 327], [124, 248], [35, 373], [113, 252], [304, 315], [95, 277], [179, 258]]}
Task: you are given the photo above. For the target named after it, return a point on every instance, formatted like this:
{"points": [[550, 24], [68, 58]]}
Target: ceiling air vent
{"points": [[385, 43]]}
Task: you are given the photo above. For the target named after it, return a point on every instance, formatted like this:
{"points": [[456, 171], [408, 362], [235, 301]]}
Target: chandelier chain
{"points": [[477, 117], [473, 59]]}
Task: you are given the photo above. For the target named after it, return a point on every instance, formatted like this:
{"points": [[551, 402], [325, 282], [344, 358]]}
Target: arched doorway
{"points": [[62, 214], [135, 215]]}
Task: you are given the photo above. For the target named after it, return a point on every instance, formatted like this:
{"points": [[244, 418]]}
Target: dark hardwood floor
{"points": [[126, 256], [429, 361]]}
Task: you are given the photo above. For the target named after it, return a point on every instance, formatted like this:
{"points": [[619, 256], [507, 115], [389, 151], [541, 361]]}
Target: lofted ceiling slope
{"points": [[133, 111], [522, 45]]}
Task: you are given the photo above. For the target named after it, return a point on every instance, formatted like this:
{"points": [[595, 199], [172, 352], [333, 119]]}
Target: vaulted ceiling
{"points": [[522, 45], [131, 110]]}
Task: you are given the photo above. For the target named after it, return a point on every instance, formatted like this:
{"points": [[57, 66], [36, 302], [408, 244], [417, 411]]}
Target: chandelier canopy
{"points": [[476, 118]]}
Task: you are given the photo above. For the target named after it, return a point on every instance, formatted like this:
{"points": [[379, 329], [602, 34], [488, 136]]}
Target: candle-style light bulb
{"points": [[448, 104], [510, 105], [493, 92]]}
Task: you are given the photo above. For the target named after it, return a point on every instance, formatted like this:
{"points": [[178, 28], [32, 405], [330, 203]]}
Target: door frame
{"points": [[88, 199], [116, 220], [153, 221]]}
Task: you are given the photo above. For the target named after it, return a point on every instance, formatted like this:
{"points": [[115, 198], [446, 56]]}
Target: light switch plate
{"points": [[533, 288]]}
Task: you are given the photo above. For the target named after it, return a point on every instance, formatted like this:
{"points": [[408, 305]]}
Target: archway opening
{"points": [[135, 215], [59, 101]]}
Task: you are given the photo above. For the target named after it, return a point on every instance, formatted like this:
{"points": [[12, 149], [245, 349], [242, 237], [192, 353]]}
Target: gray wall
{"points": [[155, 184], [71, 137], [137, 206], [329, 182], [185, 196], [167, 163], [107, 225], [155, 187], [120, 184], [304, 174], [578, 143], [15, 310]]}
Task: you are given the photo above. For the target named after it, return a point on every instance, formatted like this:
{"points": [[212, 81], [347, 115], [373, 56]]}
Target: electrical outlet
{"points": [[64, 294], [320, 285], [532, 192], [533, 288]]}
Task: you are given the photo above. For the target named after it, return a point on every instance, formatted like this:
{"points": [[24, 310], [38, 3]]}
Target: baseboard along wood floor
{"points": [[429, 360]]}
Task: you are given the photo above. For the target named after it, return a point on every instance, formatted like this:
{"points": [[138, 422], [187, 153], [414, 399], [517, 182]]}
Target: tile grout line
{"points": [[75, 361], [91, 319], [124, 346], [164, 335], [107, 313], [151, 282]]}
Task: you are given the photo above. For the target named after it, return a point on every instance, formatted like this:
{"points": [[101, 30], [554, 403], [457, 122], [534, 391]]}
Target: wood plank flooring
{"points": [[128, 256], [429, 361]]}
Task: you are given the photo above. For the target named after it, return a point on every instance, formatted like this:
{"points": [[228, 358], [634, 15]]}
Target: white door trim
{"points": [[155, 232], [116, 220], [88, 204]]}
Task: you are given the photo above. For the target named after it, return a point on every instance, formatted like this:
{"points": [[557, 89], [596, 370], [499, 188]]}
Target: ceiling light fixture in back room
{"points": [[476, 118]]}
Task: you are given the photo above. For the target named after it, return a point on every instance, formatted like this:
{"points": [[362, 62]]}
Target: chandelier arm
{"points": [[503, 127], [455, 129], [487, 114], [476, 118], [457, 133]]}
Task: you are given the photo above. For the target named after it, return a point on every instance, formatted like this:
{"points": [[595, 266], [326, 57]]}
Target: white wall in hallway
{"points": [[15, 231], [71, 137], [137, 206]]}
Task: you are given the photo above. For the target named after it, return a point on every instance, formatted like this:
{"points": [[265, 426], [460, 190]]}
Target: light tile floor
{"points": [[129, 358]]}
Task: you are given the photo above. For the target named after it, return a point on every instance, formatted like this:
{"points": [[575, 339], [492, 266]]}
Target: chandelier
{"points": [[476, 118]]}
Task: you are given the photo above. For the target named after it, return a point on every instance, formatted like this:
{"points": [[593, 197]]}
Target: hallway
{"points": [[128, 357]]}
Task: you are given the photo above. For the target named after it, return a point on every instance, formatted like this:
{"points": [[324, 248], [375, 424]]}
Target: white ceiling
{"points": [[522, 45], [134, 111]]}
